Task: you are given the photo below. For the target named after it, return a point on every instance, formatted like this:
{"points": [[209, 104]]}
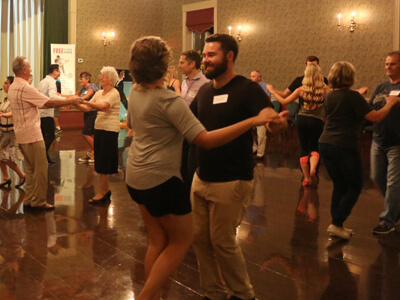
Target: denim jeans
{"points": [[345, 169], [385, 172]]}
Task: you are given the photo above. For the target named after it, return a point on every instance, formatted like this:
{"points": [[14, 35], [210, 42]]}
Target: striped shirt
{"points": [[24, 101]]}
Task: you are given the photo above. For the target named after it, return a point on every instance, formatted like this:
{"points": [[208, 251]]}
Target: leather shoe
{"points": [[46, 206], [105, 198], [20, 184]]}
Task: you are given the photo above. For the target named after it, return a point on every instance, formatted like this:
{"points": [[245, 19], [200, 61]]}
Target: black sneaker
{"points": [[382, 229]]}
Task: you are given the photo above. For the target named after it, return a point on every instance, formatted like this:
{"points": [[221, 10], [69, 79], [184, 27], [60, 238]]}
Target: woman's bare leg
{"points": [[13, 166], [4, 171], [167, 250], [90, 140]]}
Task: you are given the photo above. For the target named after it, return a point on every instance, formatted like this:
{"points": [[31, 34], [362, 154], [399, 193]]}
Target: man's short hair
{"points": [[228, 43], [342, 75], [18, 64], [312, 58], [193, 56], [258, 73], [52, 68], [394, 53]]}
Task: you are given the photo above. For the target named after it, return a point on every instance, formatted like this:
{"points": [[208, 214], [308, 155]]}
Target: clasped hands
{"points": [[268, 116]]}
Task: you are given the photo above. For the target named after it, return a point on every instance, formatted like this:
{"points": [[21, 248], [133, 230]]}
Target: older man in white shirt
{"points": [[48, 88]]}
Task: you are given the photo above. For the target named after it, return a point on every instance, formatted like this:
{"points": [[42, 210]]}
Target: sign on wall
{"points": [[64, 56]]}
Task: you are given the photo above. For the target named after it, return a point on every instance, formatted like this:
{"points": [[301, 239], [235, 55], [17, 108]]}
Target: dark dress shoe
{"points": [[51, 162], [5, 184], [46, 206], [104, 199], [20, 184]]}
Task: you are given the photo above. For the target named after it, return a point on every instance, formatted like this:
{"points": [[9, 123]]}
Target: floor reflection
{"points": [[383, 275], [339, 275], [82, 251]]}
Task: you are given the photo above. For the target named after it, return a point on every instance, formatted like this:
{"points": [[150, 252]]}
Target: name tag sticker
{"points": [[394, 93], [220, 99]]}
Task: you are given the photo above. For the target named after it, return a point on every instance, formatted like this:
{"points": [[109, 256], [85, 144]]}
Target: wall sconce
{"points": [[239, 32], [109, 40], [351, 25]]}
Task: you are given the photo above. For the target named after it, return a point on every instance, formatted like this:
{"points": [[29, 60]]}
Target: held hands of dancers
{"points": [[76, 100], [273, 121], [270, 88]]}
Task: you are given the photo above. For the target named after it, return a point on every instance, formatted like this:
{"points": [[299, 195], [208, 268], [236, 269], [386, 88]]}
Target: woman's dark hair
{"points": [[10, 79], [86, 75], [149, 59]]}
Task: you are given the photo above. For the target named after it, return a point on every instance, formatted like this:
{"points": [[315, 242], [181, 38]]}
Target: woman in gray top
{"points": [[160, 119]]}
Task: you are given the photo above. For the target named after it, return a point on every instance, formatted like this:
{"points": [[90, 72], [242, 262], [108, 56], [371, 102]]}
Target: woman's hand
{"points": [[270, 88], [265, 116]]}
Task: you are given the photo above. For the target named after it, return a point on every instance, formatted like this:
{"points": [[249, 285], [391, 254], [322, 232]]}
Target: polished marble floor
{"points": [[81, 251]]}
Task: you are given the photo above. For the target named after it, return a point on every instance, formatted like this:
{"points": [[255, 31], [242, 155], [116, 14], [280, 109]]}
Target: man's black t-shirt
{"points": [[238, 100], [387, 132], [298, 82]]}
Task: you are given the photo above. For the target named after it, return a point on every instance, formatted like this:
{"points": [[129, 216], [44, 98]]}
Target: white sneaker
{"points": [[84, 159], [91, 160], [339, 232]]}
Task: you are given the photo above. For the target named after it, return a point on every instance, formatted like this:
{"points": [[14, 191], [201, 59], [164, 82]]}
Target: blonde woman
{"points": [[171, 80], [310, 119]]}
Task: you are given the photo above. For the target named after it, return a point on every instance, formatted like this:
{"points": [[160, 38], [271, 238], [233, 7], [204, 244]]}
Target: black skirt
{"points": [[106, 151]]}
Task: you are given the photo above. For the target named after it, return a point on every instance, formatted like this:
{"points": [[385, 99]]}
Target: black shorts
{"points": [[88, 122], [167, 198]]}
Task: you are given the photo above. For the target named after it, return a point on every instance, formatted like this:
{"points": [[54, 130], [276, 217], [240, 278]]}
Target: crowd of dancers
{"points": [[195, 193]]}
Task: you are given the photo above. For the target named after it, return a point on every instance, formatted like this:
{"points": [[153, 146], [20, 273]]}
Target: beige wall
{"points": [[129, 19], [277, 35]]}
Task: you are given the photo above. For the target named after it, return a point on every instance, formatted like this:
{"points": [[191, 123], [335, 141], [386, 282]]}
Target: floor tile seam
{"points": [[303, 282], [185, 286]]}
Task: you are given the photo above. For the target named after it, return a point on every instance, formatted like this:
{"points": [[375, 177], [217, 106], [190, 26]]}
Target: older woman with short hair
{"points": [[345, 112], [106, 129]]}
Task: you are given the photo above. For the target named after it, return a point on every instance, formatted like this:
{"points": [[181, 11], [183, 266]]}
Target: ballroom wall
{"points": [[129, 19], [277, 35]]}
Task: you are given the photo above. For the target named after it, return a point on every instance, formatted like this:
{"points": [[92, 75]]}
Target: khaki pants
{"points": [[218, 209], [36, 173]]}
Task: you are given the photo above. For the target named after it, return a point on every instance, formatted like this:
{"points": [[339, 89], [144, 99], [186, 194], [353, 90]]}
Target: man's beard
{"points": [[218, 69]]}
